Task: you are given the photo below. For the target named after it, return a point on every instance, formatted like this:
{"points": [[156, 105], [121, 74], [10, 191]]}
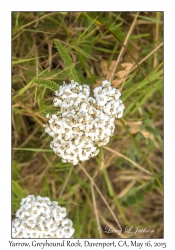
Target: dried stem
{"points": [[123, 48], [103, 198]]}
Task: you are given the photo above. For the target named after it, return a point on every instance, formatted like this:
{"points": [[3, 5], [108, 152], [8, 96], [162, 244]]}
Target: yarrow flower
{"points": [[83, 123], [38, 217]]}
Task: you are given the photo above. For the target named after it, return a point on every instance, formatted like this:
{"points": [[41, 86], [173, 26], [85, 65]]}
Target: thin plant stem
{"points": [[96, 210], [146, 57], [128, 159], [66, 181], [125, 44], [115, 218]]}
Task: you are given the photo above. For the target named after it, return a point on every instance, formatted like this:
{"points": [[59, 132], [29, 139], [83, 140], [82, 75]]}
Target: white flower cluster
{"points": [[38, 217], [83, 123]]}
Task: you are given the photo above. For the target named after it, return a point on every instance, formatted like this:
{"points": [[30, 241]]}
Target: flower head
{"points": [[83, 123], [38, 217]]}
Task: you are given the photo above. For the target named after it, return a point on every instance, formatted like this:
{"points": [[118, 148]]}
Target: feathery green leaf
{"points": [[67, 59], [48, 84], [50, 111]]}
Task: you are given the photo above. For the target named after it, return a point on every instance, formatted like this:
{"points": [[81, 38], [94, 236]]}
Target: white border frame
{"points": [[5, 99]]}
